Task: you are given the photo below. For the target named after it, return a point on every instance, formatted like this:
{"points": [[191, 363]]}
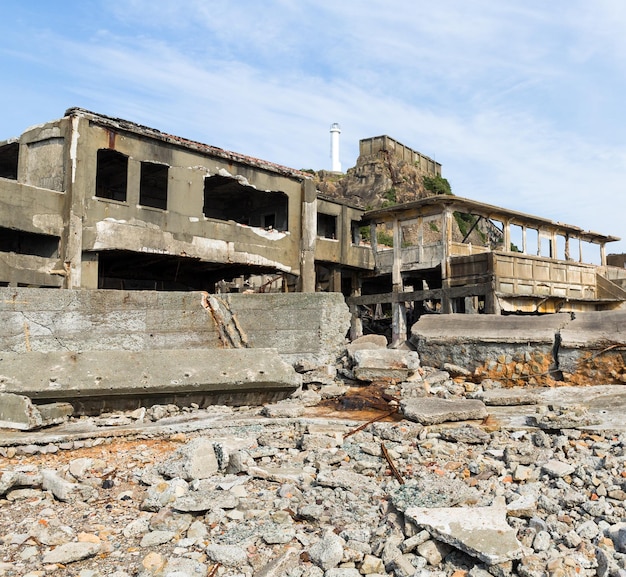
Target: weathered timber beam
{"points": [[431, 294]]}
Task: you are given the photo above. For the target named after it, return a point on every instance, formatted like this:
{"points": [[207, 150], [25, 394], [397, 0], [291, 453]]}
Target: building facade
{"points": [[89, 201]]}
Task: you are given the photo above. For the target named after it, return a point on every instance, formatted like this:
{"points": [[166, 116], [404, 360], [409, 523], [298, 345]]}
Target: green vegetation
{"points": [[437, 184], [465, 222], [390, 198], [382, 237], [433, 226]]}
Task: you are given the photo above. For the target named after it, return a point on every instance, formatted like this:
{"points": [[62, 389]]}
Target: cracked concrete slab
{"points": [[481, 532], [95, 380]]}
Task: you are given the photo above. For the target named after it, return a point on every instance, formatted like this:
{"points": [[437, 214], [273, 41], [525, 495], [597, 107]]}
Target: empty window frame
{"points": [[9, 155], [153, 185], [29, 243], [225, 198], [112, 175], [326, 225], [516, 235]]}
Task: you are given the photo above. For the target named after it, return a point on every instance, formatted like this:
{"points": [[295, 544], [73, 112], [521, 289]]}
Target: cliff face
{"points": [[385, 177], [377, 180]]}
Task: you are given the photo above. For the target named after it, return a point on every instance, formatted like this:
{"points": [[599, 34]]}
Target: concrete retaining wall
{"points": [[584, 349], [299, 326]]}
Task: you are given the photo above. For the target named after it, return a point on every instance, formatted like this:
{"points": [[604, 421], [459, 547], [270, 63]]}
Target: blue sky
{"points": [[521, 102]]}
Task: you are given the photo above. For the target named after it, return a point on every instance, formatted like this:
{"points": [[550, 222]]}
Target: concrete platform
{"points": [[94, 381]]}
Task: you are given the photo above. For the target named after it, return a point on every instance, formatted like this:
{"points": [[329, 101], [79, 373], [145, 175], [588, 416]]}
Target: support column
{"points": [[356, 324], [446, 217], [309, 235], [603, 254], [335, 279], [398, 309]]}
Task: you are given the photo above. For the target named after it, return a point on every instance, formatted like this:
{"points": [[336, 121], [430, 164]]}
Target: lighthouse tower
{"points": [[335, 165]]}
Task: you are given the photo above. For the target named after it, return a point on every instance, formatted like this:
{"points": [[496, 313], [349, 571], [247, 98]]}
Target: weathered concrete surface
{"points": [[507, 397], [510, 349], [432, 410], [302, 327], [580, 349], [481, 532], [384, 364], [592, 349], [18, 412], [96, 380]]}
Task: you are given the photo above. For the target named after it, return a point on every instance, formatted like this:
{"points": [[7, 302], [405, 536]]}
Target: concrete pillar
{"points": [[309, 235], [335, 279], [506, 230], [90, 270], [398, 309], [356, 325], [75, 207], [603, 254]]}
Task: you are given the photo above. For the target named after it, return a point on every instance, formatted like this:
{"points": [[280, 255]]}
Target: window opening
{"points": [[111, 175], [30, 243], [227, 199], [153, 185], [9, 155], [326, 225], [516, 234]]}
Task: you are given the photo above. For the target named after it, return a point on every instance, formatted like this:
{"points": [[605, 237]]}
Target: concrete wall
{"points": [[582, 349], [300, 326]]}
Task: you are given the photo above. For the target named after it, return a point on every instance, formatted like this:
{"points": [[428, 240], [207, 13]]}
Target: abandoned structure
{"points": [[89, 201], [454, 255]]}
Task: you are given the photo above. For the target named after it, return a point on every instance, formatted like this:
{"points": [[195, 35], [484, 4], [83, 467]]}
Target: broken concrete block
{"points": [[195, 460], [481, 532], [507, 397], [384, 364], [71, 552], [433, 410], [10, 479], [64, 490], [367, 342], [556, 468], [19, 412], [511, 349]]}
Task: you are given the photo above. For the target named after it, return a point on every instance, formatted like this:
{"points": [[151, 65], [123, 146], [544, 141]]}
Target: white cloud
{"points": [[520, 102]]}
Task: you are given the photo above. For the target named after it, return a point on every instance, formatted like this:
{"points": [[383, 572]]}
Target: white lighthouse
{"points": [[335, 131]]}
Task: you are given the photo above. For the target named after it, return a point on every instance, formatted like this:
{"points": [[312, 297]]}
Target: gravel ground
{"points": [[296, 490]]}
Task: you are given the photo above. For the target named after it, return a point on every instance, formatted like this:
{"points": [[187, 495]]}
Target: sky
{"points": [[522, 102]]}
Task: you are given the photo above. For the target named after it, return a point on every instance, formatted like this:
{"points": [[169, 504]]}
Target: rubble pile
{"points": [[435, 488]]}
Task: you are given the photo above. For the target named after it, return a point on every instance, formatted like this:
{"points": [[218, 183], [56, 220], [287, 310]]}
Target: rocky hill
{"points": [[380, 180]]}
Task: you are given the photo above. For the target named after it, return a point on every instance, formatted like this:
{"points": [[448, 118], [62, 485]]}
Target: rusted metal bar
{"points": [[393, 468], [374, 420]]}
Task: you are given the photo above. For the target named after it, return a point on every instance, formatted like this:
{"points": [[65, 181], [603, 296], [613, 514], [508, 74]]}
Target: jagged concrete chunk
{"points": [[432, 410], [71, 552], [481, 532], [556, 468], [384, 364], [19, 412], [195, 460], [64, 490]]}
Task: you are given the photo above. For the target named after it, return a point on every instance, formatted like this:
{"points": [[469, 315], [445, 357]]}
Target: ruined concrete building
{"points": [[90, 201]]}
